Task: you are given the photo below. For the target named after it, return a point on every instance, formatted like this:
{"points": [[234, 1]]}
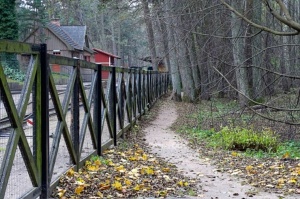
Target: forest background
{"points": [[245, 51]]}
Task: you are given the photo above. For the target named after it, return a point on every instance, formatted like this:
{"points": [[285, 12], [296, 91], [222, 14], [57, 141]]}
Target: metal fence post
{"points": [[140, 92], [148, 89], [98, 110], [75, 114], [134, 95], [45, 181], [114, 104]]}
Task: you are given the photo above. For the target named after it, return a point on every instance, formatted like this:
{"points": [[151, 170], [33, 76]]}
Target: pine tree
{"points": [[8, 30], [8, 22]]}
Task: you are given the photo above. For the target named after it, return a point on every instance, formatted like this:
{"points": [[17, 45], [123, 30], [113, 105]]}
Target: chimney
{"points": [[55, 21]]}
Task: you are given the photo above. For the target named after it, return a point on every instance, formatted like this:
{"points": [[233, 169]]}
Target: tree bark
{"points": [[150, 34]]}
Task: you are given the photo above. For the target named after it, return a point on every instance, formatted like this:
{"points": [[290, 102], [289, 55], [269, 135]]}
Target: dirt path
{"points": [[213, 185]]}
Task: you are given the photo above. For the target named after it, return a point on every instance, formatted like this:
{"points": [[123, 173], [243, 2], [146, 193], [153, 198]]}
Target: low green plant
{"points": [[101, 159], [14, 74], [242, 139], [284, 150], [289, 149]]}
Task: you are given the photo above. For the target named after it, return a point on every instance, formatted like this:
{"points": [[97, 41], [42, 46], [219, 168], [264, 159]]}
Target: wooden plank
{"points": [[9, 46]]}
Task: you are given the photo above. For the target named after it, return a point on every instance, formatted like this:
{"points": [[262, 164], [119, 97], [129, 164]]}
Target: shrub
{"points": [[237, 138], [14, 74]]}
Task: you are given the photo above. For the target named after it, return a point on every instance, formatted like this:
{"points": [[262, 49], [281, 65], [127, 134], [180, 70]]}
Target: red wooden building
{"points": [[104, 58]]}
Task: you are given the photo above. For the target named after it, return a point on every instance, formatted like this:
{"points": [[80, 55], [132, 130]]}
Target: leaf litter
{"points": [[124, 172], [280, 175]]}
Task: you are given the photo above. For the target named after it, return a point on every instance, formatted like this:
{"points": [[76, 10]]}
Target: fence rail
{"points": [[88, 119]]}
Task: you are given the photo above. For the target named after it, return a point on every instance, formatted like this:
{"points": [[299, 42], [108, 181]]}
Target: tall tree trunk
{"points": [[174, 66], [150, 34], [256, 48], [248, 48], [238, 57]]}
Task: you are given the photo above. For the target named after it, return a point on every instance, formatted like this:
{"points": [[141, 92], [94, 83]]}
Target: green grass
{"points": [[101, 159], [284, 150], [251, 143], [14, 81], [60, 76], [237, 138], [256, 141]]}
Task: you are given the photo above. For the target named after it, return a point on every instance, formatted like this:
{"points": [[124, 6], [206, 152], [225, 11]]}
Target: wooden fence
{"points": [[96, 115]]}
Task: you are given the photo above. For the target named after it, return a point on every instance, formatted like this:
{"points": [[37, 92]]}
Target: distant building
{"points": [[67, 41], [106, 59]]}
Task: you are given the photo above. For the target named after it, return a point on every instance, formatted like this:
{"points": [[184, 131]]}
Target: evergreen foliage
{"points": [[8, 22]]}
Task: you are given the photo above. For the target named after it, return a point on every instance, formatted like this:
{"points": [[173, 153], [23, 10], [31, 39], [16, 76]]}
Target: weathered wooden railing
{"points": [[88, 118]]}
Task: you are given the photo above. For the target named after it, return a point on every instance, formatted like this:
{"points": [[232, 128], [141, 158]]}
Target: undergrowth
{"points": [[252, 143]]}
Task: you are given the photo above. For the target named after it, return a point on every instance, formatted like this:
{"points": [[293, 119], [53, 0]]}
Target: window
{"points": [[87, 58], [56, 52]]}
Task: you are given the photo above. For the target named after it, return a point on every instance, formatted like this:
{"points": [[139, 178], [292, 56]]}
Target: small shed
{"points": [[106, 59]]}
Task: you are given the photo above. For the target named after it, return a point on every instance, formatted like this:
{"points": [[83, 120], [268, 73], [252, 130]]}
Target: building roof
{"points": [[106, 53], [77, 34], [72, 36]]}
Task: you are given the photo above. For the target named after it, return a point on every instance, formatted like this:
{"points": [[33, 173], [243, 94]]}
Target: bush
{"points": [[14, 74], [242, 139]]}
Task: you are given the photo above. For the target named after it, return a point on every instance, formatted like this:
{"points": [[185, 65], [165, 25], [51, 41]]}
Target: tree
{"points": [[150, 33], [8, 21]]}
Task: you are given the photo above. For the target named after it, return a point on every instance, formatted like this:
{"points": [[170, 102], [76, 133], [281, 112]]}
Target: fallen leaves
{"points": [[280, 175], [124, 174]]}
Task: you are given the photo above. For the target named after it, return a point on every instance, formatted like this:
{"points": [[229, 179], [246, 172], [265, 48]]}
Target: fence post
{"points": [[134, 95], [75, 114], [114, 104], [140, 93], [148, 89], [122, 102], [98, 109], [44, 122]]}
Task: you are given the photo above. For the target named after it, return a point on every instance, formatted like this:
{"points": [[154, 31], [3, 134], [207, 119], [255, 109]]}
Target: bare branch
{"points": [[264, 28], [288, 20]]}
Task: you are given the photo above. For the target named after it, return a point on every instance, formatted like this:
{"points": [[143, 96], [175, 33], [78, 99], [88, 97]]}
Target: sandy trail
{"points": [[213, 185]]}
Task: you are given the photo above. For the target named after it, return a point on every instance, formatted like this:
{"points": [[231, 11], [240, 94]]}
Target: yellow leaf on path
{"points": [[293, 181], [121, 169], [286, 155], [132, 158], [166, 169], [138, 187], [70, 172], [249, 168], [97, 162], [296, 171], [92, 167], [79, 189], [117, 185], [163, 193], [145, 157], [104, 186], [127, 182], [99, 194], [281, 181], [110, 163], [234, 154], [87, 163], [61, 192], [147, 170], [182, 183]]}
